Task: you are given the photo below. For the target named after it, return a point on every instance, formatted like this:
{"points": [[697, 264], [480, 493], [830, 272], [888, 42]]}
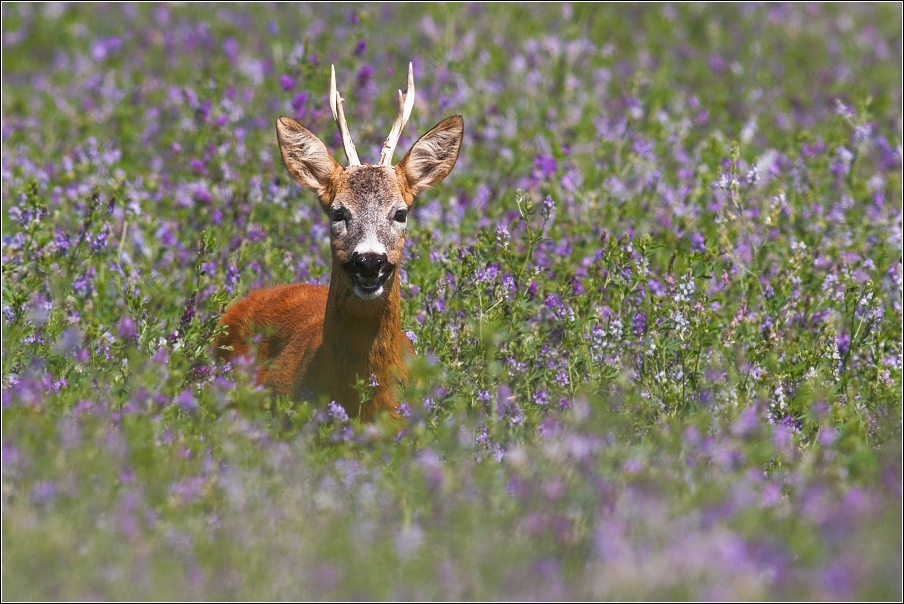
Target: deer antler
{"points": [[406, 103], [339, 118]]}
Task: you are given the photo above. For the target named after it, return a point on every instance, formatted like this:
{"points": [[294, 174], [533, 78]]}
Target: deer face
{"points": [[368, 205], [368, 222]]}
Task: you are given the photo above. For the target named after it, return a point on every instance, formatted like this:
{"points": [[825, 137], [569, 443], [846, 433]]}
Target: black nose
{"points": [[370, 265]]}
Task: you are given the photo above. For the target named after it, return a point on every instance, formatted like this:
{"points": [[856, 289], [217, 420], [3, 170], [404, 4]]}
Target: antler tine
{"points": [[406, 103], [339, 118]]}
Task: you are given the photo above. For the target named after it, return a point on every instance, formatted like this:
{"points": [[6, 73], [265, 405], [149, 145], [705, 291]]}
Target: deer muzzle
{"points": [[368, 273]]}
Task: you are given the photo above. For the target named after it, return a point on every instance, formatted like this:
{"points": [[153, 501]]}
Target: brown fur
{"points": [[291, 358], [314, 341]]}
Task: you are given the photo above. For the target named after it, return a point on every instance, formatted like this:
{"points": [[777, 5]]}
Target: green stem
{"points": [[530, 250]]}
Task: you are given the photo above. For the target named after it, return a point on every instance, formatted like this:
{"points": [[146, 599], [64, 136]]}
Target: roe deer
{"points": [[317, 340]]}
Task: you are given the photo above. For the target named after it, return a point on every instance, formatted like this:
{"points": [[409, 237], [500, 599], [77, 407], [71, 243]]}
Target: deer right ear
{"points": [[306, 158]]}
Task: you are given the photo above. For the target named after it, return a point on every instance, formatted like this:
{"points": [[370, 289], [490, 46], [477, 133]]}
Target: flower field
{"points": [[657, 305]]}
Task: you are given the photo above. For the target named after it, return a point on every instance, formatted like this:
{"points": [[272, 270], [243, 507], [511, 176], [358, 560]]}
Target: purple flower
{"points": [[541, 397], [843, 110], [200, 372], [545, 166], [508, 285], [187, 315], [68, 341], [747, 422], [482, 196], [189, 490], [843, 341], [482, 438], [639, 324], [634, 465], [197, 166], [408, 540], [502, 236], [337, 412], [781, 437], [186, 400], [549, 206], [43, 492], [232, 278], [577, 288], [360, 47], [231, 49], [99, 242], [364, 75], [513, 413], [203, 112], [61, 242], [698, 243], [286, 82], [716, 62], [105, 46], [439, 305], [84, 284], [827, 436], [127, 329], [298, 104]]}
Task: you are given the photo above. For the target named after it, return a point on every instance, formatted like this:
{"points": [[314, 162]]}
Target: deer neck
{"points": [[364, 336]]}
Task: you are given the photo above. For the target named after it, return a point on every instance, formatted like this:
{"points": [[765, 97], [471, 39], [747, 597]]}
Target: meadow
{"points": [[657, 305]]}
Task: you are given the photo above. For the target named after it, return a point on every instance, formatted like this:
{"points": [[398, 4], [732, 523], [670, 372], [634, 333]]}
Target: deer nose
{"points": [[370, 265]]}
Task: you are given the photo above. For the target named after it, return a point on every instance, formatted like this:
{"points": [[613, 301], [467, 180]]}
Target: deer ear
{"points": [[306, 158], [432, 157]]}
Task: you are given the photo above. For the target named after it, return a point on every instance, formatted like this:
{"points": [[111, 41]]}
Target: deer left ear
{"points": [[433, 156]]}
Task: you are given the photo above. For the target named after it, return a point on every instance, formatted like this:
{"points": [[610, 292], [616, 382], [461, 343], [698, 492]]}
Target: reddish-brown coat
{"points": [[301, 356]]}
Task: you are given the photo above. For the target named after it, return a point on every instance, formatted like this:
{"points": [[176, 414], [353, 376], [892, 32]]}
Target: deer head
{"points": [[368, 204]]}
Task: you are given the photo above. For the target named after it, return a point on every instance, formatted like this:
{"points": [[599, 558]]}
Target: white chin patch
{"points": [[368, 295]]}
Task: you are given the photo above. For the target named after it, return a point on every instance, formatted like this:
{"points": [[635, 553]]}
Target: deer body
{"points": [[317, 341]]}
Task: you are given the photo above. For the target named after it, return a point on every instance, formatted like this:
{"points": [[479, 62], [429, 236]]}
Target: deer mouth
{"points": [[369, 286]]}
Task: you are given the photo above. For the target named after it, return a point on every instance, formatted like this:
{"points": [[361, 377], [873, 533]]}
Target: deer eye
{"points": [[337, 215], [401, 216]]}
